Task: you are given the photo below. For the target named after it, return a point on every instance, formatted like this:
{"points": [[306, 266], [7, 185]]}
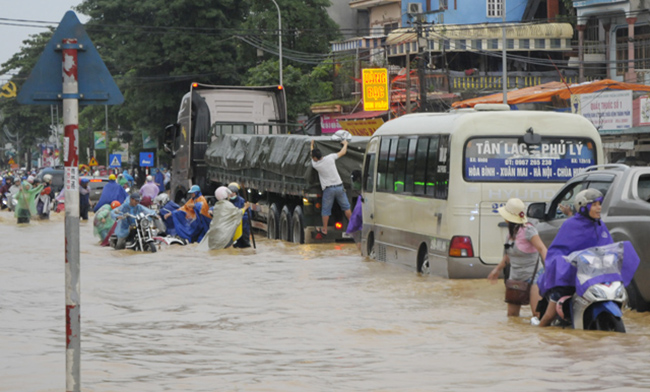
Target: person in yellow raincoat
{"points": [[226, 225]]}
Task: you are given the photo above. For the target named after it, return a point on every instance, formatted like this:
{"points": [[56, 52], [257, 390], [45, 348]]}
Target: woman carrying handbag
{"points": [[523, 251]]}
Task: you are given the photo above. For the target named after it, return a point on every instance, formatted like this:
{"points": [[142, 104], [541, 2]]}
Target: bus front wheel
{"points": [[423, 260]]}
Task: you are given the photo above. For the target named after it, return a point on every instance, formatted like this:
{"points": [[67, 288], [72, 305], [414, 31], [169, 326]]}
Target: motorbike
{"points": [[141, 235], [4, 204], [161, 228], [600, 288]]}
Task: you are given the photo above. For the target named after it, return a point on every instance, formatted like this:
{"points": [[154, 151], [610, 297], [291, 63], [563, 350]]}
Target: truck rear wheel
{"points": [[285, 224], [272, 222], [298, 226]]}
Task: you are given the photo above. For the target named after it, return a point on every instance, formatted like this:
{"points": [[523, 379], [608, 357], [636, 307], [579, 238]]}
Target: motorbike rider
{"points": [[581, 231], [149, 188], [123, 227], [4, 190], [13, 190], [103, 222], [44, 200], [166, 206]]}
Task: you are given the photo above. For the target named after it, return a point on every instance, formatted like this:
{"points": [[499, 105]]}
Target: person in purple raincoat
{"points": [[581, 231]]}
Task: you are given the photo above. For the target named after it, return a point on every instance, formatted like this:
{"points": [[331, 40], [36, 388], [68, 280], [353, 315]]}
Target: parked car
{"points": [[626, 213], [96, 185]]}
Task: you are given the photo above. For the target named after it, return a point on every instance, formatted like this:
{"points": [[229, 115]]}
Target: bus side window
{"points": [[419, 178], [442, 172], [432, 166], [409, 185], [369, 173], [400, 165], [390, 171], [382, 164]]}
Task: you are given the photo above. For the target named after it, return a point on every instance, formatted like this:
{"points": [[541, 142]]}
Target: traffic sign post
{"points": [[115, 160], [146, 159], [85, 78]]}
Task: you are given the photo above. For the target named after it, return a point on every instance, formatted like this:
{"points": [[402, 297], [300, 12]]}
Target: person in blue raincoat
{"points": [[131, 206], [193, 219], [245, 240], [112, 191], [160, 180], [166, 206], [581, 231]]}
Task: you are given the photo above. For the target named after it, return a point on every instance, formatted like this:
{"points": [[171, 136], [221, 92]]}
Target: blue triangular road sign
{"points": [[44, 85]]}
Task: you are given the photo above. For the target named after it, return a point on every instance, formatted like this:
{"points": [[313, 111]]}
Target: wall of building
{"points": [[467, 11], [349, 20], [382, 15]]}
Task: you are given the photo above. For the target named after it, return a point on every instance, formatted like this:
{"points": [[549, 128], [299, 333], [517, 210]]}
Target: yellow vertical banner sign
{"points": [[375, 89]]}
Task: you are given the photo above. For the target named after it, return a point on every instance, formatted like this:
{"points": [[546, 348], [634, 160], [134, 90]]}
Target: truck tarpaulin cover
{"points": [[283, 155]]}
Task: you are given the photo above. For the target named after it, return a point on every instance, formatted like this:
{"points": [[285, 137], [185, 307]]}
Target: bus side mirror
{"points": [[171, 131], [537, 211]]}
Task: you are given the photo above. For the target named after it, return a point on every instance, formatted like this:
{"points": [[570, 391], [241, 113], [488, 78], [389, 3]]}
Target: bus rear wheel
{"points": [[423, 265], [285, 224]]}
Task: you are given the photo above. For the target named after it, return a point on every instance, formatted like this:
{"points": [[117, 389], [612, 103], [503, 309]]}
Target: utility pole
{"points": [[421, 70], [408, 78], [504, 63]]}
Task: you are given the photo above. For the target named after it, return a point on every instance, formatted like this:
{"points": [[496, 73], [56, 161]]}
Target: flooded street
{"points": [[282, 318]]}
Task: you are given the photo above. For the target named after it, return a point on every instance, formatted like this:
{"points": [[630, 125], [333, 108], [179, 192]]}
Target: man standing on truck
{"points": [[331, 183]]}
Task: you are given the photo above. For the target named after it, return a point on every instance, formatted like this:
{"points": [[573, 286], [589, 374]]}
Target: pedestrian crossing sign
{"points": [[93, 162], [115, 160]]}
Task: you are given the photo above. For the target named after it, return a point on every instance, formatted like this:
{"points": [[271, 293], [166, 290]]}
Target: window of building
{"points": [[510, 43], [524, 44], [494, 8], [477, 44], [494, 43], [540, 43], [390, 27], [444, 4]]}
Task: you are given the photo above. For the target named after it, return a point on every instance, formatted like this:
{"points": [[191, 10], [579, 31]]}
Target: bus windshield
{"points": [[506, 159]]}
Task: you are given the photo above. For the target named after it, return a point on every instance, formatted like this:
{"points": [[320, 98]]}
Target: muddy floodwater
{"points": [[283, 317]]}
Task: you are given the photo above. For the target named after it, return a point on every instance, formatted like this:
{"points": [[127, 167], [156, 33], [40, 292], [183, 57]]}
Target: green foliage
{"points": [[156, 48]]}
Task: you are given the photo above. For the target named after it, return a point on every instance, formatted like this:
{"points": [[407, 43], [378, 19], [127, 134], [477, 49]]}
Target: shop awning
{"points": [[545, 92], [484, 37], [359, 115], [374, 42]]}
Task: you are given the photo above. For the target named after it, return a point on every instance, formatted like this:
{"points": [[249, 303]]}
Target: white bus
{"points": [[432, 182]]}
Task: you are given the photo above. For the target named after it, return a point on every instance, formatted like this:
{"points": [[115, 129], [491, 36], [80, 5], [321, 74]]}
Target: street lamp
{"points": [[279, 38]]}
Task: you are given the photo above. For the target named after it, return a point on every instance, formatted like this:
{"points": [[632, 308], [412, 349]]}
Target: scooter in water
{"points": [[141, 235], [600, 288]]}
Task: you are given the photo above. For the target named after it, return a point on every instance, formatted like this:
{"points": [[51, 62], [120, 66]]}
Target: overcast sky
{"points": [[25, 17]]}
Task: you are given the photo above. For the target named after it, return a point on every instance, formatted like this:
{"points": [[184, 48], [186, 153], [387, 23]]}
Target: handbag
{"points": [[518, 291]]}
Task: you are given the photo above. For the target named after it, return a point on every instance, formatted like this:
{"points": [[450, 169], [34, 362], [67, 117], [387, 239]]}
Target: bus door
{"points": [[368, 185], [492, 233]]}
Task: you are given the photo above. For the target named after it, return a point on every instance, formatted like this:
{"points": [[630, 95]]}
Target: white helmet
{"points": [[149, 178], [47, 178], [161, 199], [587, 196], [222, 193]]}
